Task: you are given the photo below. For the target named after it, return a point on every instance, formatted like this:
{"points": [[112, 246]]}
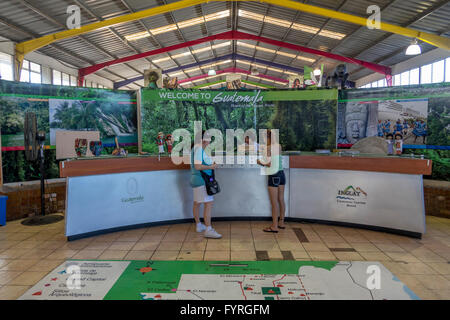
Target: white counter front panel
{"points": [[378, 199]]}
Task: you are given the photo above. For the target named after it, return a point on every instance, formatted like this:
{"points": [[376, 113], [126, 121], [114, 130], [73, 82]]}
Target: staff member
{"points": [[201, 162], [276, 184]]}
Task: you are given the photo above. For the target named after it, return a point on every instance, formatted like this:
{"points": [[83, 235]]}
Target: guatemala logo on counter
{"points": [[133, 189], [352, 197]]}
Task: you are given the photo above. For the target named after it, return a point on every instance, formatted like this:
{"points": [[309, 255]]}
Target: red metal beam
{"points": [[233, 35], [233, 70]]}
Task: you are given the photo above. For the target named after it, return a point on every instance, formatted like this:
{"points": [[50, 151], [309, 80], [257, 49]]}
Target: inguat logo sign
{"points": [[352, 192]]}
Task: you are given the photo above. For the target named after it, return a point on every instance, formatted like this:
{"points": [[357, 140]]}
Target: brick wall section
{"points": [[437, 198], [24, 199]]}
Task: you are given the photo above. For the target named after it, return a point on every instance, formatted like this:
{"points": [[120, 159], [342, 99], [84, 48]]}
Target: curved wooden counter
{"points": [[387, 164], [77, 168]]}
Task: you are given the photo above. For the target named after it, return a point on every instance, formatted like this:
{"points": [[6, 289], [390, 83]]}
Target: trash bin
{"points": [[3, 210]]}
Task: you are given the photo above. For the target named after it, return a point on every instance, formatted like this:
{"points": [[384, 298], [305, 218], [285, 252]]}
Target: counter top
{"points": [[110, 165]]}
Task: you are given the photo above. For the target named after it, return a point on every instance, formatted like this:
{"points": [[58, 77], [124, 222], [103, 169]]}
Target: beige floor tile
{"points": [[75, 245], [442, 294], [7, 276], [194, 245], [37, 254], [389, 247], [217, 255], [441, 267], [275, 254], [99, 245], [13, 253], [87, 254], [138, 255], [52, 244], [434, 282], [248, 255], [426, 255], [315, 246], [113, 254], [19, 265], [147, 246], [348, 256], [46, 265], [4, 262], [322, 255], [174, 237], [122, 245], [300, 254], [7, 244], [290, 245], [374, 256], [170, 245], [20, 236], [129, 237], [61, 254], [28, 278], [26, 244], [194, 255], [402, 256], [365, 247], [165, 255], [242, 246], [417, 268], [12, 292], [217, 244], [152, 237], [266, 245]]}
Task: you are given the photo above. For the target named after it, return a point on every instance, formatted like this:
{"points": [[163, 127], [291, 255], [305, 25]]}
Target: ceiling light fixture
{"points": [[212, 72], [413, 49]]}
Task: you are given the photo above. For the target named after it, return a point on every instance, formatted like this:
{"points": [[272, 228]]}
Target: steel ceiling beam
{"points": [[232, 56], [236, 35], [28, 46], [54, 46]]}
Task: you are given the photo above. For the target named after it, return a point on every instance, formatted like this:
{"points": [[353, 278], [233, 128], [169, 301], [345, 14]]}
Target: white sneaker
{"points": [[211, 233], [201, 227]]}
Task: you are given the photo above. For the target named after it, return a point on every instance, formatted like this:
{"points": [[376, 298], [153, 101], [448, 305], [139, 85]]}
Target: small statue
{"points": [[169, 143], [339, 78], [118, 151], [160, 142], [390, 142], [398, 144]]}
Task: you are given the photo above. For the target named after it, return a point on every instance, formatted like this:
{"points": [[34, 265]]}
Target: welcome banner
{"points": [[306, 118]]}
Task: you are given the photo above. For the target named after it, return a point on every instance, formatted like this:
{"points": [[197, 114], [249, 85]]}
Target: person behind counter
{"points": [[201, 162], [276, 184]]}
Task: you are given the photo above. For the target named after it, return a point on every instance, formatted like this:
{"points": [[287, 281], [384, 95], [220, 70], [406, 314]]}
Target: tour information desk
{"points": [[107, 194]]}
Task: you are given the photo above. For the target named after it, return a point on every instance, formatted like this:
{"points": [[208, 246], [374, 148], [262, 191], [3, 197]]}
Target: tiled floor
{"points": [[27, 254]]}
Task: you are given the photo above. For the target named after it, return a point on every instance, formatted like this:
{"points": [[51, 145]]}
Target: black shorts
{"points": [[277, 179]]}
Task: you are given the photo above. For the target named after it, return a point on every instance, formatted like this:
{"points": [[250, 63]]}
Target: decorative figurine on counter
{"points": [[169, 143], [339, 78], [390, 142], [160, 141], [398, 144], [118, 151], [96, 147], [80, 147]]}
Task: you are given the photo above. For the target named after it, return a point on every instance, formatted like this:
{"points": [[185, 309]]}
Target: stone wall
{"points": [[437, 198], [24, 199]]}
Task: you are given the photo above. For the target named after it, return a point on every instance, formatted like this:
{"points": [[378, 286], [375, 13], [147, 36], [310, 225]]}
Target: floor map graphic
{"points": [[209, 280]]}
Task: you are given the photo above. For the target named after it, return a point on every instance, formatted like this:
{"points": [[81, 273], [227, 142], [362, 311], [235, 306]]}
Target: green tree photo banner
{"points": [[112, 112], [306, 119]]}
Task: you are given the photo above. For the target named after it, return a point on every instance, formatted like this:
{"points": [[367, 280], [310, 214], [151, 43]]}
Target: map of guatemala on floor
{"points": [[211, 280]]}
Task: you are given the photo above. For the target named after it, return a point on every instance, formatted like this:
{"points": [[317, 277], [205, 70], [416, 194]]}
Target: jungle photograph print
{"points": [[112, 112], [306, 119]]}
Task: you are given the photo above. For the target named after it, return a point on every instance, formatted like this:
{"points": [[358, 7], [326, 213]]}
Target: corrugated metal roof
{"points": [[106, 44]]}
